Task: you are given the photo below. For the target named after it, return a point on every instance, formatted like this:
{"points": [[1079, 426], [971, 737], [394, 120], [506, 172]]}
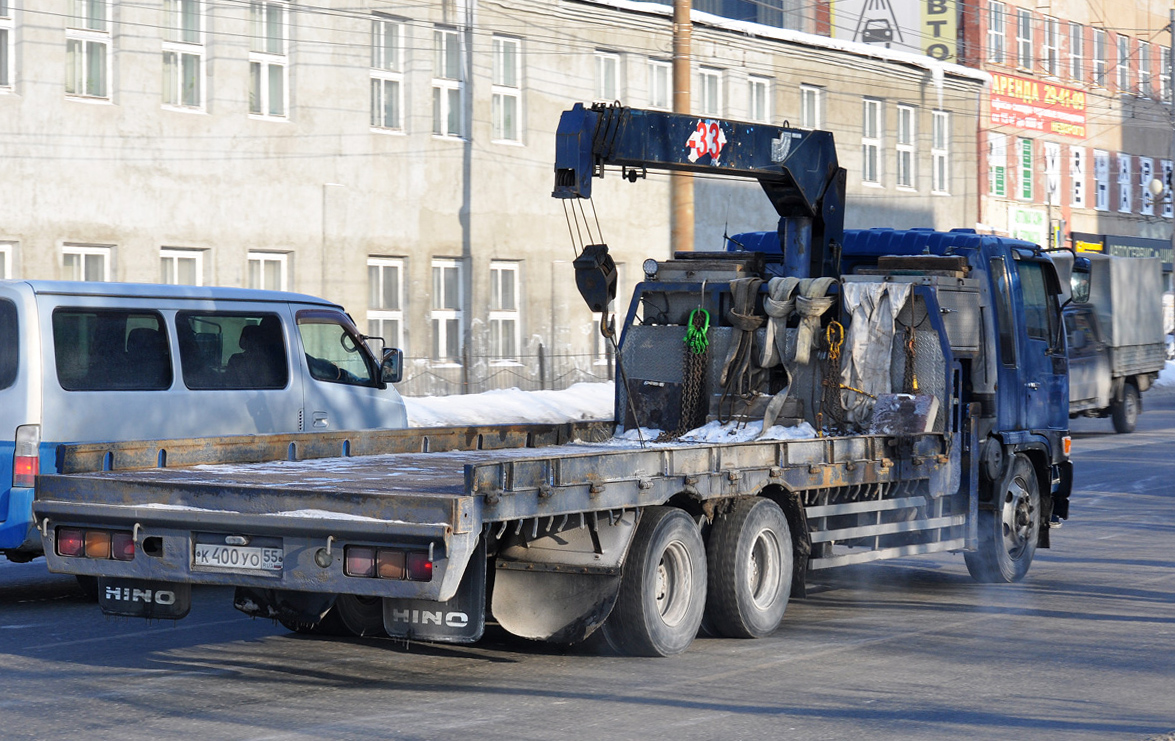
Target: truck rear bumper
{"points": [[313, 546]]}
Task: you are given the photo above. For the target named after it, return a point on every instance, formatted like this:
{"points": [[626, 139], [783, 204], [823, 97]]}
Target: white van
{"points": [[96, 362]]}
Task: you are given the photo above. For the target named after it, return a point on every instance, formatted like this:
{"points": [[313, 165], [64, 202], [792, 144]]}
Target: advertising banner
{"points": [[927, 27], [1032, 105]]}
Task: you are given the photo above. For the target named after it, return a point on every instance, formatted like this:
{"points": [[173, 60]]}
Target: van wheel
{"points": [[360, 616], [750, 568], [663, 587], [1125, 412], [1008, 535]]}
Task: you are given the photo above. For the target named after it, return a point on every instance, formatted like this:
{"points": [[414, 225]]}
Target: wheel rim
{"points": [[675, 574], [1019, 518], [1131, 404], [763, 569]]}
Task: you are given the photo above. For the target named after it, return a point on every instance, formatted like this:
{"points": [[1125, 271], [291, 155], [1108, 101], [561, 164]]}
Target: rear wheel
{"points": [[1008, 535], [663, 588], [1125, 412], [361, 616], [750, 569]]}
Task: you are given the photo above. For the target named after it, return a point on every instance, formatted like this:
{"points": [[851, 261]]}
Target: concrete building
{"points": [[397, 157], [1077, 123]]}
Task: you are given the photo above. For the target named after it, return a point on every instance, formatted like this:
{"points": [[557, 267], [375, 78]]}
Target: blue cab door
{"points": [[1043, 363]]}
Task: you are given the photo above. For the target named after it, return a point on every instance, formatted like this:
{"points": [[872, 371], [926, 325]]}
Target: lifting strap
{"points": [[811, 302], [779, 304]]}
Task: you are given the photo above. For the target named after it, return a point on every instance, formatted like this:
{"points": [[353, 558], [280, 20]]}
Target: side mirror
{"points": [[391, 368], [1079, 281]]}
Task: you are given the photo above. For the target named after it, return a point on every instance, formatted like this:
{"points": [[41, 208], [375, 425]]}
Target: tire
{"points": [[1125, 412], [662, 589], [360, 616], [330, 625], [750, 565], [1009, 534], [89, 586]]}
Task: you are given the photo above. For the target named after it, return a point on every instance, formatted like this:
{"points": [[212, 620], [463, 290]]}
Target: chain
{"points": [[831, 406], [909, 377], [695, 358]]}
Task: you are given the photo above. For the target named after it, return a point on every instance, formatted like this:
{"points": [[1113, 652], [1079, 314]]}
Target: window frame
{"points": [[906, 138], [1123, 76], [6, 250], [1024, 40], [499, 314], [1101, 179], [1052, 173], [1078, 171], [438, 316], [660, 71], [383, 314], [1165, 174], [7, 47], [175, 254], [1165, 74], [106, 252], [872, 145], [1051, 47], [86, 35], [261, 258], [1146, 173], [759, 98], [1145, 81], [710, 92], [1076, 51], [387, 73], [180, 49], [501, 91], [1125, 183], [1026, 188], [997, 14], [607, 65], [811, 102], [940, 152], [265, 61], [997, 158], [1099, 57], [447, 84]]}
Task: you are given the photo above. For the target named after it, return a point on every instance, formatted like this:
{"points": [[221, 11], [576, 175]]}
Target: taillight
{"points": [[387, 563], [26, 462], [101, 544], [71, 542]]}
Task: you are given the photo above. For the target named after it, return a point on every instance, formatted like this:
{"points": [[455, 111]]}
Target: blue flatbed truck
{"points": [[928, 367]]}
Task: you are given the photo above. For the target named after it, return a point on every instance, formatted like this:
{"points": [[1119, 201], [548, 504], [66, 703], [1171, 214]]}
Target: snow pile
{"points": [[1167, 375], [731, 432], [582, 401]]}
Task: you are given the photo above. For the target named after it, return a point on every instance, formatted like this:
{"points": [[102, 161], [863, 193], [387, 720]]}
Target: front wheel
{"points": [[1125, 412], [663, 587], [750, 565], [1009, 533]]}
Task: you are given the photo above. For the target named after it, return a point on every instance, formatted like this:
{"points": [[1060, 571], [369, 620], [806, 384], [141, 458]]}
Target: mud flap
{"points": [[458, 620], [154, 600], [306, 608]]}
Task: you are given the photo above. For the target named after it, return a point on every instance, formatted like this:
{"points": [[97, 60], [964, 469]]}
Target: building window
{"points": [[1123, 63], [181, 267], [1167, 203], [660, 96], [711, 92], [1099, 57], [607, 77], [940, 152], [387, 75], [1052, 46], [268, 270], [996, 22], [447, 304], [507, 90], [1077, 51], [447, 114], [1077, 168], [1144, 69], [504, 318], [183, 54], [1052, 173], [1101, 179], [85, 262], [905, 146], [811, 98], [1026, 168], [1125, 184], [759, 99], [871, 142], [87, 49], [997, 164], [268, 63], [5, 45], [1165, 74], [385, 308], [1146, 173], [6, 260], [1024, 56]]}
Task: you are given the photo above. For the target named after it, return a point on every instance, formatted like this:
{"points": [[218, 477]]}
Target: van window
{"points": [[230, 350], [9, 344], [111, 350], [335, 351]]}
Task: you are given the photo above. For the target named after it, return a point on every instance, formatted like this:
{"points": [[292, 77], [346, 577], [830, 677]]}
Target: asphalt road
{"points": [[1084, 648]]}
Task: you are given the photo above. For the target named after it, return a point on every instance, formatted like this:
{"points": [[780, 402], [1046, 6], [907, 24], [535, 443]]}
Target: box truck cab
{"points": [[116, 362]]}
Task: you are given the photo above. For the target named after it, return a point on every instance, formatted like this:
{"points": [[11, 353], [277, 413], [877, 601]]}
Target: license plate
{"points": [[237, 557]]}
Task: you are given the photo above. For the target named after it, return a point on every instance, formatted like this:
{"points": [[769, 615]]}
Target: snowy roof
{"points": [[936, 68]]}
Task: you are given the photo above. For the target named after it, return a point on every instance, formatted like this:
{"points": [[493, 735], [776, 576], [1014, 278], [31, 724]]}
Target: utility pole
{"points": [[681, 184], [1171, 110]]}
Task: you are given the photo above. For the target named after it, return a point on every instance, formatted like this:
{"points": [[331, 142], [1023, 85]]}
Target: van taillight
{"points": [[26, 462]]}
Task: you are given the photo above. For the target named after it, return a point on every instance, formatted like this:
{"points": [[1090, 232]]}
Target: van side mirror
{"points": [[391, 368]]}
